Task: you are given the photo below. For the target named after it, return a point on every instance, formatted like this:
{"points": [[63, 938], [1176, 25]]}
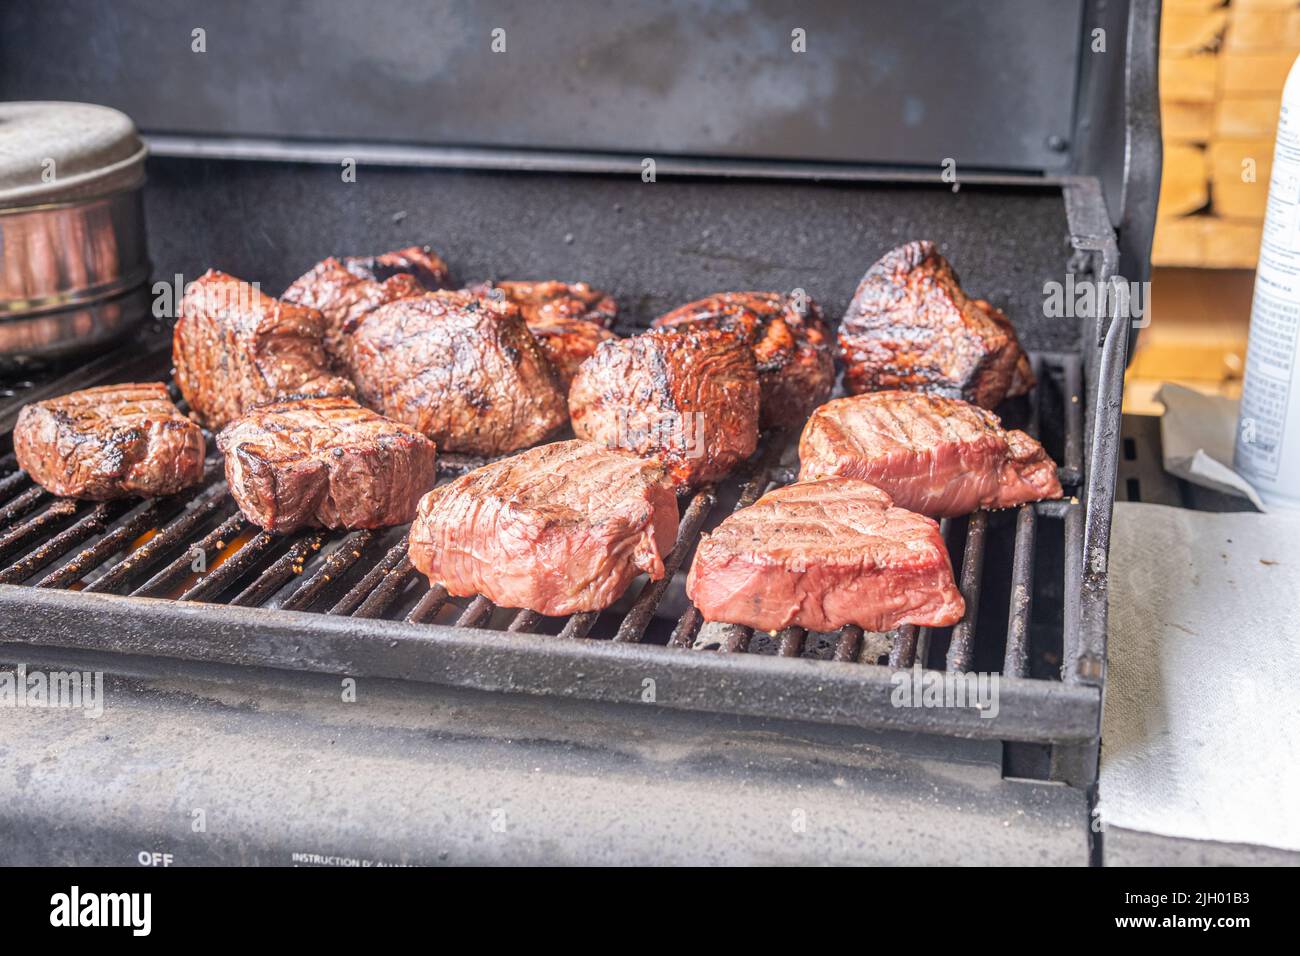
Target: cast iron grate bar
{"points": [[208, 503], [301, 573], [279, 572], [182, 567], [337, 564]]}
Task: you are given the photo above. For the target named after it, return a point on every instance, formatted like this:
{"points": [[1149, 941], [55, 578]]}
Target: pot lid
{"points": [[53, 152]]}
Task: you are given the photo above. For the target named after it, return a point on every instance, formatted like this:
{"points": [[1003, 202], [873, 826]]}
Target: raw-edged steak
{"points": [[791, 343], [325, 462], [940, 456], [461, 368], [115, 441], [823, 554], [558, 529], [910, 326], [687, 398], [235, 348]]}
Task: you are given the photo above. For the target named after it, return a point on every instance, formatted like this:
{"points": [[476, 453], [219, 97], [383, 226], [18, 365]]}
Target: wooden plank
{"points": [[1254, 74], [1184, 183], [1179, 242], [1206, 242], [1262, 29], [1191, 32], [1190, 79], [1247, 117], [1231, 244], [1186, 122], [1239, 174], [1240, 5]]}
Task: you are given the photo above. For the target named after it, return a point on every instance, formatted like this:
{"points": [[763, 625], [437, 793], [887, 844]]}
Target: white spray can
{"points": [[1268, 430]]}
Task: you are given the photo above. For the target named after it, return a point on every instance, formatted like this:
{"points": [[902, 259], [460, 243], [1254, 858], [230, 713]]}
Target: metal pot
{"points": [[73, 259]]}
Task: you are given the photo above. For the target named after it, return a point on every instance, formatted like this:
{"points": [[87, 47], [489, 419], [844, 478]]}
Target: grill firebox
{"points": [[188, 577]]}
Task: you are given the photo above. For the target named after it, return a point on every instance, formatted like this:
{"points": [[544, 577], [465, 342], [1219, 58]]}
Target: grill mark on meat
{"points": [[559, 529], [345, 290], [114, 441], [235, 348], [822, 555], [325, 462], [792, 349], [688, 398], [462, 369], [938, 456], [911, 326]]}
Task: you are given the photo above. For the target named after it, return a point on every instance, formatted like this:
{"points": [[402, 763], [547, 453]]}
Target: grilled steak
{"points": [[688, 398], [558, 529], [569, 320], [823, 554], [325, 462], [911, 326], [115, 441], [796, 365], [939, 456], [344, 290], [419, 262], [547, 302], [461, 368], [235, 348]]}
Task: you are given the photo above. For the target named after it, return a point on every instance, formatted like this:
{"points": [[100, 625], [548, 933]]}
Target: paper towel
{"points": [[1201, 724]]}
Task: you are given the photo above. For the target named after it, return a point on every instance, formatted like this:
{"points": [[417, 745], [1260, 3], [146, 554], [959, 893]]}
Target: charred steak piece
{"points": [[115, 441], [559, 529], [823, 554], [461, 368], [344, 290], [325, 463], [911, 326], [567, 343], [419, 262], [688, 398], [547, 302], [796, 363], [938, 456], [569, 320], [235, 348]]}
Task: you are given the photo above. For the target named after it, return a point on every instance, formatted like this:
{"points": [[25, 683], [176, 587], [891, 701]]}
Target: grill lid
{"points": [[53, 152]]}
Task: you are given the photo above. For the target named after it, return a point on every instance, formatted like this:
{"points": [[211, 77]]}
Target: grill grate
{"points": [[198, 547]]}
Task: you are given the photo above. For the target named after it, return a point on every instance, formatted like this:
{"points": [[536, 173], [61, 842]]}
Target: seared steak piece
{"points": [[796, 364], [568, 319], [567, 343], [461, 368], [115, 441], [325, 463], [419, 262], [558, 529], [939, 456], [688, 398], [911, 326], [343, 291], [235, 348], [823, 554], [548, 302]]}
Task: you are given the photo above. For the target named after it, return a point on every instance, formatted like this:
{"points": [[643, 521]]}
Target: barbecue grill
{"points": [[1066, 188]]}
